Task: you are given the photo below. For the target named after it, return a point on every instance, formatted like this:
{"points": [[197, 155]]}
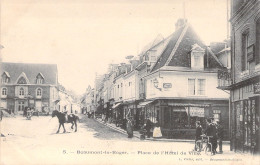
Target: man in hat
{"points": [[220, 133], [198, 134], [212, 132]]}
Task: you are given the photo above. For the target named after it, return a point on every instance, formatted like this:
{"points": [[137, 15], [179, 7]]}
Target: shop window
{"points": [[4, 91], [245, 44], [191, 86], [201, 86], [216, 117]]}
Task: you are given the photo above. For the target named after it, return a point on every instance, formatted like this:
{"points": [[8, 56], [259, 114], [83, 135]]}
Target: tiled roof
{"points": [[167, 51], [49, 72], [217, 46], [181, 56]]}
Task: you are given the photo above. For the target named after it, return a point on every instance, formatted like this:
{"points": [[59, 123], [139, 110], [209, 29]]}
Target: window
{"points": [[4, 91], [38, 92], [257, 46], [39, 79], [196, 61], [245, 44], [201, 86], [191, 86], [21, 92], [216, 117]]}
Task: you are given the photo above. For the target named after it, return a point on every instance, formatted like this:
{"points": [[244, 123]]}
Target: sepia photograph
{"points": [[112, 82]]}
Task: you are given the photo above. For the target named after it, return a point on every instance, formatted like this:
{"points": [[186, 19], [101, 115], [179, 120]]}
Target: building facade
{"points": [[29, 85], [245, 73]]}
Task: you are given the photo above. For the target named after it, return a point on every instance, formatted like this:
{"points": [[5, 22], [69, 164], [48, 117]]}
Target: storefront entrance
{"points": [[245, 131]]}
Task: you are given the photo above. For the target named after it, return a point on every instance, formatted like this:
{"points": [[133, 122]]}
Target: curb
{"points": [[151, 139]]}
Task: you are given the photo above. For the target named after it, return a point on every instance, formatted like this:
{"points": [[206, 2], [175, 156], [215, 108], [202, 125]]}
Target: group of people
{"points": [[148, 125], [214, 131]]}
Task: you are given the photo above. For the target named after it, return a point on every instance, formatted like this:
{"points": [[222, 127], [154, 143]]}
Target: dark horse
{"points": [[62, 119]]}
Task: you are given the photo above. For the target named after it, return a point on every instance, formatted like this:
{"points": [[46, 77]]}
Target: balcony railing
{"points": [[224, 79]]}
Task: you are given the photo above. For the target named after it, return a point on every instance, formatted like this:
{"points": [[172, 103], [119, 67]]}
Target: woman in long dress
{"points": [[129, 128]]}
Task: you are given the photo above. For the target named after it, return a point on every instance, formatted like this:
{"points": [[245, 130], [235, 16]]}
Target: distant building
{"points": [[29, 85]]}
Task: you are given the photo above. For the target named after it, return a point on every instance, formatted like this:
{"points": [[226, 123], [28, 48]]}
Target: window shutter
{"points": [[257, 46]]}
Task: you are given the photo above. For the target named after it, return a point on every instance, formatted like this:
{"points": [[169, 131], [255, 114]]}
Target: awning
{"points": [[142, 104], [187, 105], [116, 105]]}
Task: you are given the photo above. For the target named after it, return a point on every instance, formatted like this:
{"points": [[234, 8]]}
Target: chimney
{"points": [[180, 23]]}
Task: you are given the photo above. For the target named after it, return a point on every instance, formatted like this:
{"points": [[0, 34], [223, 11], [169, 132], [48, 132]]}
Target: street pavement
{"points": [[36, 142]]}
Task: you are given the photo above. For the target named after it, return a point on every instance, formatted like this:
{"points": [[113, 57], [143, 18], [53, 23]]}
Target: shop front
{"points": [[245, 120], [130, 111], [177, 117]]}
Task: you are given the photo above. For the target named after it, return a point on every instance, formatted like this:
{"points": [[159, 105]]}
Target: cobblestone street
{"points": [[35, 141]]}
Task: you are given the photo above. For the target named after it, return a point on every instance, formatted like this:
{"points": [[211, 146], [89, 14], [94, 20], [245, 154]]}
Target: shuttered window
{"points": [[244, 62], [257, 46]]}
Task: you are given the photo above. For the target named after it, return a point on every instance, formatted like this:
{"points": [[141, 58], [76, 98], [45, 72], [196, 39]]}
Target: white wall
{"points": [[179, 81], [129, 92]]}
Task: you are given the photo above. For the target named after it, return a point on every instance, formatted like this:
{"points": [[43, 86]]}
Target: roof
{"points": [[177, 52], [217, 46], [48, 71]]}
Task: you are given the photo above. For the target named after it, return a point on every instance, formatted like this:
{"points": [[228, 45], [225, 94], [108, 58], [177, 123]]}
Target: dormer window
{"points": [[39, 79], [5, 78], [197, 57], [21, 81]]}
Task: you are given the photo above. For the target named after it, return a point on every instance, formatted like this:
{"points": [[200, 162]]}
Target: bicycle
{"points": [[204, 144]]}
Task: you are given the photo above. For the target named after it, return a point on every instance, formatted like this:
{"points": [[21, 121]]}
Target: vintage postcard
{"points": [[129, 82]]}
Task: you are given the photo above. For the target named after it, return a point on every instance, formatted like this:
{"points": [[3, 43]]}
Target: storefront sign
{"points": [[257, 88], [167, 85], [197, 111]]}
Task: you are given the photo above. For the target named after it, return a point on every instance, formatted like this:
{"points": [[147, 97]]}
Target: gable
{"points": [[180, 56], [168, 49]]}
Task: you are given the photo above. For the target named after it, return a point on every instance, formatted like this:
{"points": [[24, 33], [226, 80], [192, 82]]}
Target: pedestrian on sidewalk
{"points": [[198, 135], [220, 133], [157, 133], [129, 128], [147, 127]]}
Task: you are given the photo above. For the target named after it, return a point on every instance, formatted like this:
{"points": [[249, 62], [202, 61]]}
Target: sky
{"points": [[84, 36]]}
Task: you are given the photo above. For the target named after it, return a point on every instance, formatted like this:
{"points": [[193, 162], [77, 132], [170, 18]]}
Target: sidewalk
{"points": [[137, 134]]}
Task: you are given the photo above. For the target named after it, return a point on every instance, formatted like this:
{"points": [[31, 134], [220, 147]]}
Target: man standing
{"points": [[220, 133], [198, 134], [147, 127], [212, 132]]}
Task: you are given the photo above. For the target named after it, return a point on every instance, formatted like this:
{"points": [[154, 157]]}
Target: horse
{"points": [[62, 119]]}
